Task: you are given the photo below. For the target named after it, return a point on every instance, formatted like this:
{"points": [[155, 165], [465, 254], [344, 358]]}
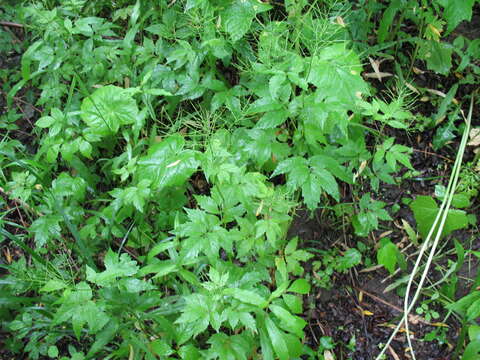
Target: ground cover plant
{"points": [[223, 179]]}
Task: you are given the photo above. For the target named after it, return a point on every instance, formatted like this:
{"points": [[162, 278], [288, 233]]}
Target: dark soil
{"points": [[357, 306]]}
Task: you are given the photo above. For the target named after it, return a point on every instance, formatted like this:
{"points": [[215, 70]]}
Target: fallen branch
{"points": [[412, 318], [11, 24]]}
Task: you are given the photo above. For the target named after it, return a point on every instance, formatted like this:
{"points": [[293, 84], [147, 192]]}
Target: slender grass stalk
{"points": [[440, 220]]}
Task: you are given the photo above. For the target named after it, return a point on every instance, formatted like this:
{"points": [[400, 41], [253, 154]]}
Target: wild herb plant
{"points": [[175, 141]]}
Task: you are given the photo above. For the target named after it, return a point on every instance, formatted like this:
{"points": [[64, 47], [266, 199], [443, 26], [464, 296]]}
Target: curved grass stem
{"points": [[440, 220]]}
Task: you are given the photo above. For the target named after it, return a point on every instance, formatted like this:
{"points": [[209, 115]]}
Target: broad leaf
{"points": [[289, 322], [387, 255], [457, 11], [300, 286], [107, 109], [237, 18], [167, 164], [116, 266], [425, 210], [278, 340]]}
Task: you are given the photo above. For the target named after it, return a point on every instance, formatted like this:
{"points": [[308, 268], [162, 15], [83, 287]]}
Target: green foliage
{"points": [[389, 256], [332, 262], [425, 210], [175, 142], [370, 212]]}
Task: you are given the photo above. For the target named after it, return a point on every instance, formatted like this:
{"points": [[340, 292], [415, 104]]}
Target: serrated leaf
{"points": [[457, 11], [297, 170], [289, 322], [46, 228], [272, 119], [336, 73], [167, 164], [116, 266], [235, 347], [438, 56], [275, 83], [277, 339], [237, 19], [311, 191], [248, 321], [107, 109], [53, 285], [327, 182], [351, 258], [246, 296]]}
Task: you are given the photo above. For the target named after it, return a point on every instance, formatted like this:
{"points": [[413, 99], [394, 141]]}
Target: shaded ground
{"points": [[357, 307]]}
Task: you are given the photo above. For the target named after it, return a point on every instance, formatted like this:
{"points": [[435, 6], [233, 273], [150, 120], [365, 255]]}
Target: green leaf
{"points": [[158, 92], [46, 228], [333, 166], [45, 122], [293, 302], [425, 210], [160, 347], [326, 181], [438, 56], [336, 72], [472, 351], [237, 19], [248, 321], [85, 149], [444, 134], [289, 322], [167, 164], [52, 351], [160, 269], [107, 109], [311, 191], [446, 101], [387, 20], [387, 255], [473, 311], [235, 347], [116, 266], [53, 285], [297, 170], [461, 306], [272, 119], [275, 83], [457, 11], [300, 286], [195, 314], [351, 258], [189, 352], [277, 339], [246, 296], [474, 332]]}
